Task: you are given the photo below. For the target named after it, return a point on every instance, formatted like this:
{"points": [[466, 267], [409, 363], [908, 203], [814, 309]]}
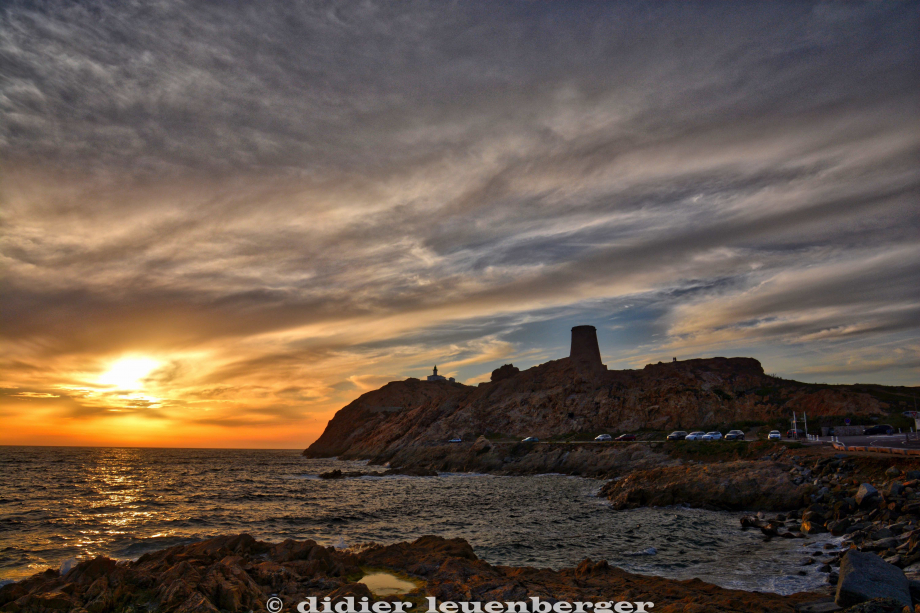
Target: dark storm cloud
{"points": [[343, 184]]}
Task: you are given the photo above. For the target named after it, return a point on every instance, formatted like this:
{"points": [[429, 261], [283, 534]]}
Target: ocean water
{"points": [[62, 503]]}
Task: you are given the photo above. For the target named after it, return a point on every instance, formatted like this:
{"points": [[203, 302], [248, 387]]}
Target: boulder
{"points": [[884, 533], [87, 572], [866, 495], [892, 472], [883, 544], [864, 576], [813, 527]]}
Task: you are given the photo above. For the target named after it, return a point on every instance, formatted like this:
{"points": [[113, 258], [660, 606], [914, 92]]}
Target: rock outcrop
{"points": [[505, 372], [238, 574], [726, 486]]}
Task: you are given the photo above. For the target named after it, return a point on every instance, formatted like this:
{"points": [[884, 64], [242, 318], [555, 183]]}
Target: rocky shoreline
{"points": [[881, 518], [239, 574], [873, 502]]}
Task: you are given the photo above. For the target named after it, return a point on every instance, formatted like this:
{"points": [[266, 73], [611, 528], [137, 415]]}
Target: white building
{"points": [[437, 377]]}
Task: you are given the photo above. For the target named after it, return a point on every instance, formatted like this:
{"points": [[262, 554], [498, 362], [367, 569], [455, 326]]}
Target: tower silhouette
{"points": [[585, 351]]}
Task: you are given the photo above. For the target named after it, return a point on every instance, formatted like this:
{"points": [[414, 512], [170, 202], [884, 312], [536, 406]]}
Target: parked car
{"points": [[879, 429], [734, 435], [712, 436], [455, 440], [695, 436], [603, 437], [677, 435], [774, 435], [531, 439], [626, 437], [795, 434]]}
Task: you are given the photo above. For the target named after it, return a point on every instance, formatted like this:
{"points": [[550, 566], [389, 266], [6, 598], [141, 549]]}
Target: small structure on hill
{"points": [[585, 351], [437, 377]]}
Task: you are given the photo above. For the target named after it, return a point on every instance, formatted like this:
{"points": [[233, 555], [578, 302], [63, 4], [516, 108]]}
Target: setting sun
{"points": [[128, 373]]}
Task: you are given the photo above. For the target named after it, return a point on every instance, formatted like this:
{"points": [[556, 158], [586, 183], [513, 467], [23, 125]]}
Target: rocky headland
{"points": [[561, 397]]}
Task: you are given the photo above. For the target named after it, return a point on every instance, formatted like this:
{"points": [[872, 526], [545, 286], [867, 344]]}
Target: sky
{"points": [[220, 222]]}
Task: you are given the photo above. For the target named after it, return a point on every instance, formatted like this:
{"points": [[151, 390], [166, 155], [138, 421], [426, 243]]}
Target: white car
{"points": [[695, 436], [603, 437], [774, 436], [712, 436]]}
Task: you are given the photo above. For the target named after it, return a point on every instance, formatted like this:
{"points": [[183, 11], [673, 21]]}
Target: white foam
{"points": [[67, 565]]}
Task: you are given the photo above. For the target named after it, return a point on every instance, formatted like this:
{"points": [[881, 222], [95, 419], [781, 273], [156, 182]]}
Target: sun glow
{"points": [[128, 373]]}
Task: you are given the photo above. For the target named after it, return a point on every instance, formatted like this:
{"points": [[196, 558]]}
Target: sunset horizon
{"points": [[220, 239]]}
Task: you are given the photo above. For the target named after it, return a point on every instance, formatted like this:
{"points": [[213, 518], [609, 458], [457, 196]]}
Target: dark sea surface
{"points": [[59, 503]]}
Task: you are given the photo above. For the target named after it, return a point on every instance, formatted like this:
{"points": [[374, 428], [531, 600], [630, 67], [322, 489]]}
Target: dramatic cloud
{"points": [[282, 205]]}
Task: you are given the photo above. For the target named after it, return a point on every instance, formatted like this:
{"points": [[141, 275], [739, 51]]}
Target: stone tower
{"points": [[585, 351]]}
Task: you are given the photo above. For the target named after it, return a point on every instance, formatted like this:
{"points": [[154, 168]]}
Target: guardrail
{"points": [[890, 450]]}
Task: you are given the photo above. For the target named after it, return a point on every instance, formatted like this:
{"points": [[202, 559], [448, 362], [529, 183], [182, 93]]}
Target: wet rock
{"points": [[813, 528], [876, 605], [883, 544], [894, 490], [884, 533], [838, 527], [864, 576], [866, 495]]}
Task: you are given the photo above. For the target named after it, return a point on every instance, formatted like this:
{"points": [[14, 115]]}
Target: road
{"points": [[881, 440]]}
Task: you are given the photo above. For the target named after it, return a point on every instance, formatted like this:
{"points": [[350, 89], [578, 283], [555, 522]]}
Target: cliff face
{"points": [[563, 396], [388, 417]]}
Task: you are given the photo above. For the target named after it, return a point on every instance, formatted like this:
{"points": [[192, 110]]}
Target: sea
{"points": [[59, 505]]}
